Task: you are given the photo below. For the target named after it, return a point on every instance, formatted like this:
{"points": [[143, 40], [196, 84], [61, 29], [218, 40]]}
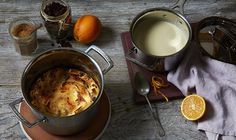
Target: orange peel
{"points": [[193, 107], [157, 83]]}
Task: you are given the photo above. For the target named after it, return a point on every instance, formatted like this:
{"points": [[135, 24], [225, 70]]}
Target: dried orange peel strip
{"points": [[157, 83]]}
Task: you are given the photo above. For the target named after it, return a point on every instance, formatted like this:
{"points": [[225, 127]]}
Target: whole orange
{"points": [[87, 29]]}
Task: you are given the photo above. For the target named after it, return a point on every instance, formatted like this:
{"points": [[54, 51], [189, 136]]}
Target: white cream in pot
{"points": [[159, 37]]}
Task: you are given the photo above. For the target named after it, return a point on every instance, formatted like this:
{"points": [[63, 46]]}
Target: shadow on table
{"points": [[44, 44], [107, 36], [128, 120], [132, 121]]}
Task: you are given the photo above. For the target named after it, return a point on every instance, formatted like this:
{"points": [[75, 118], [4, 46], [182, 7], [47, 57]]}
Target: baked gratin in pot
{"points": [[66, 58]]}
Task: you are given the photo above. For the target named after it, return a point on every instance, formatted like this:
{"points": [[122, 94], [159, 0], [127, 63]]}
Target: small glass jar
{"points": [[22, 31], [57, 18]]}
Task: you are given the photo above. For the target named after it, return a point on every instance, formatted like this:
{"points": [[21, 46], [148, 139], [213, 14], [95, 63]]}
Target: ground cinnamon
{"points": [[23, 30]]}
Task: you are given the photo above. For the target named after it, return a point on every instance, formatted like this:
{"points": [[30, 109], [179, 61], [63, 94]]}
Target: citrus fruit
{"points": [[193, 107], [87, 28]]}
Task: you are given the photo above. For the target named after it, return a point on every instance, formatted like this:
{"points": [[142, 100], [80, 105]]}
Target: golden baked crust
{"points": [[64, 92]]}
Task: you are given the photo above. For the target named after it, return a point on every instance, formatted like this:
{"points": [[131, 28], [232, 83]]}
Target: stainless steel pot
{"points": [[216, 38], [160, 63], [62, 57]]}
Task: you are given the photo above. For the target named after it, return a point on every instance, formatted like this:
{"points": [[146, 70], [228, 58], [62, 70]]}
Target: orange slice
{"points": [[193, 107]]}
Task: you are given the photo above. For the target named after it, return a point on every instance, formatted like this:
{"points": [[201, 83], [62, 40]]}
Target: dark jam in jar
{"points": [[57, 18], [55, 9]]}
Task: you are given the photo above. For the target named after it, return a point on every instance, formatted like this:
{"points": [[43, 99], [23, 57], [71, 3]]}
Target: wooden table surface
{"points": [[128, 121]]}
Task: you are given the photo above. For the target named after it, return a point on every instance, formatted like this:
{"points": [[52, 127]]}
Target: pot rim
{"points": [[62, 49], [212, 21], [141, 14]]}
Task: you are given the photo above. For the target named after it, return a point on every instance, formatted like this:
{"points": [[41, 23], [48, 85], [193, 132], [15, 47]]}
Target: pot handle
{"points": [[104, 56], [180, 5], [20, 117]]}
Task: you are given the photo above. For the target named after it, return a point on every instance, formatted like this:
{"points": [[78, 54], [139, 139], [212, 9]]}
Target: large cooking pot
{"points": [[161, 33], [62, 57], [216, 38]]}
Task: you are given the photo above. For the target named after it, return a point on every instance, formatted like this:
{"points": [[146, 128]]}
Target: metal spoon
{"points": [[36, 28], [142, 86]]}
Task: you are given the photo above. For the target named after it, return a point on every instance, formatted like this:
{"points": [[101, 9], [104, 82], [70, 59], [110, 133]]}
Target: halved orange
{"points": [[193, 107]]}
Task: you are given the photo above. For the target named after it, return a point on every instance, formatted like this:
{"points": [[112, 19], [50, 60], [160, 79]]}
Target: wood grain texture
{"points": [[129, 121]]}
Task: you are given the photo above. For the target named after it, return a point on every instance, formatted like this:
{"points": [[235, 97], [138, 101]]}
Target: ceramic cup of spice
{"points": [[24, 35], [57, 18]]}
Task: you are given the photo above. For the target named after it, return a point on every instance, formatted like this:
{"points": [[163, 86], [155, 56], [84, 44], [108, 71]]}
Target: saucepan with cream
{"points": [[63, 88], [161, 33]]}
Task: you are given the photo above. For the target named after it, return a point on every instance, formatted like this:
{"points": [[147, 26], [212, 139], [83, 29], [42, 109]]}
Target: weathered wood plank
{"points": [[128, 121], [117, 21], [9, 127]]}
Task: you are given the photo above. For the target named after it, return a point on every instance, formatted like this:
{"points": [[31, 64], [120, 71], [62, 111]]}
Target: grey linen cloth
{"points": [[216, 82]]}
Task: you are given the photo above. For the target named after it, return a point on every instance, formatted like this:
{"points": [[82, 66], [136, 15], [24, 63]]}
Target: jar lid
{"points": [[216, 37]]}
